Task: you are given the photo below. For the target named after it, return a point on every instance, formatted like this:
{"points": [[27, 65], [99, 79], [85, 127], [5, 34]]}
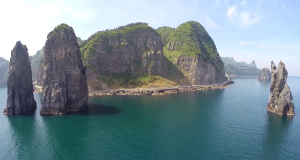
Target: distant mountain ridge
{"points": [[236, 69], [230, 60]]}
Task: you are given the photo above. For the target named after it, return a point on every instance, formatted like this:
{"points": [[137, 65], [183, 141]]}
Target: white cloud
{"points": [[210, 23], [245, 43], [249, 18], [231, 12], [30, 23], [243, 3]]}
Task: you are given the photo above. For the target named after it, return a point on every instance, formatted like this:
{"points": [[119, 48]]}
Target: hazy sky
{"points": [[260, 30]]}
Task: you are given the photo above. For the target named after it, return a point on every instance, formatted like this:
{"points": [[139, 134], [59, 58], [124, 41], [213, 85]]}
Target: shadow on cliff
{"points": [[97, 109], [174, 73], [22, 133]]}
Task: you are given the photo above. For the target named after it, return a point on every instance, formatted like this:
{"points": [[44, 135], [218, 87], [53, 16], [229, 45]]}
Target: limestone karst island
{"points": [[134, 59], [150, 80]]}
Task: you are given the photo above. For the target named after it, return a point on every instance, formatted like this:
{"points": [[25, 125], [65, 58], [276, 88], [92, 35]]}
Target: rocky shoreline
{"points": [[151, 91]]}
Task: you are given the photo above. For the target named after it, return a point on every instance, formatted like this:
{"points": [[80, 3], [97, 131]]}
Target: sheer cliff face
{"points": [[19, 83], [200, 72], [64, 86], [265, 74], [281, 99], [129, 51], [193, 51]]}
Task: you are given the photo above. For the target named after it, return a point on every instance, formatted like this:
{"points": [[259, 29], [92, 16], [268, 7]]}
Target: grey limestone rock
{"points": [[265, 74], [19, 83], [195, 54], [64, 84], [281, 99], [199, 71], [137, 50], [252, 64]]}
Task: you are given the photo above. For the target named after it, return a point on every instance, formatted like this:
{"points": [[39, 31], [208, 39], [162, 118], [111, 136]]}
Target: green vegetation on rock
{"points": [[165, 33], [124, 57], [233, 71], [191, 39], [121, 35], [58, 28]]}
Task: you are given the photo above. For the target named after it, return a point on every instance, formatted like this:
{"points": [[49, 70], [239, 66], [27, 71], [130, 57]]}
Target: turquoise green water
{"points": [[220, 124]]}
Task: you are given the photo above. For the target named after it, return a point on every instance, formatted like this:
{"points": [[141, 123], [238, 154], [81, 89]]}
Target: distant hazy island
{"points": [[240, 69]]}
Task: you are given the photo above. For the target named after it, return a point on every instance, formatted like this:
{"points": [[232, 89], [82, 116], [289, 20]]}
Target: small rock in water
{"points": [[265, 74]]}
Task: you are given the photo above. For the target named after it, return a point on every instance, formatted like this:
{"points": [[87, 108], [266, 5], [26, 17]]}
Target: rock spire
{"points": [[64, 86], [281, 99], [19, 83]]}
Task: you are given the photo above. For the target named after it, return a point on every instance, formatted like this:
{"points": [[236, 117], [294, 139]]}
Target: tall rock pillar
{"points": [[64, 86], [19, 83], [281, 99]]}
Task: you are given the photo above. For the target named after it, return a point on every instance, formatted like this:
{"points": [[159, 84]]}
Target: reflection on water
{"points": [[266, 82], [277, 128], [97, 109], [43, 137], [219, 124], [22, 135]]}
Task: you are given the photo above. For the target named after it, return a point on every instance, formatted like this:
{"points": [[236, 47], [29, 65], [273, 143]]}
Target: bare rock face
{"points": [[19, 83], [200, 72], [64, 86], [195, 54], [128, 51], [265, 74], [281, 99]]}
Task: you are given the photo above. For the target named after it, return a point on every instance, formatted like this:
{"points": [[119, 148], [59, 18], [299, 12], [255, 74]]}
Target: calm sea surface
{"points": [[220, 124]]}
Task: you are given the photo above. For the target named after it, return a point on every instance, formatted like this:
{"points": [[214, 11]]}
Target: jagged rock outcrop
{"points": [[120, 55], [265, 74], [252, 64], [193, 51], [64, 86], [281, 99], [19, 83]]}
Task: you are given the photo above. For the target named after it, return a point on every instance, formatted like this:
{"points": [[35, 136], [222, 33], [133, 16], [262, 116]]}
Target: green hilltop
{"points": [[165, 33], [136, 55], [122, 34], [191, 39]]}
